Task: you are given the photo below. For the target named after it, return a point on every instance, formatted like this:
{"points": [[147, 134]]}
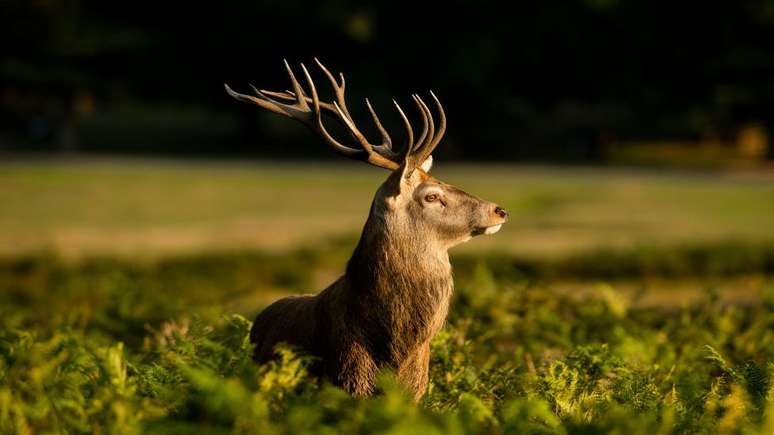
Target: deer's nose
{"points": [[499, 211]]}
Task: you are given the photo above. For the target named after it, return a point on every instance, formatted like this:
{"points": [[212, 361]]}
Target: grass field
{"points": [[615, 301], [81, 207]]}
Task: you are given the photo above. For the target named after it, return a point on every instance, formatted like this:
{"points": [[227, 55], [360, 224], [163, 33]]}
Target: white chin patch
{"points": [[492, 229]]}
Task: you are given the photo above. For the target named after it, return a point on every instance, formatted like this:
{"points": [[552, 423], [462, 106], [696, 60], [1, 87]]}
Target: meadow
{"points": [[148, 207], [616, 300]]}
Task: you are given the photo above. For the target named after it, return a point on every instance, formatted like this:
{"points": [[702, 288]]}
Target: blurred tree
{"points": [[554, 80]]}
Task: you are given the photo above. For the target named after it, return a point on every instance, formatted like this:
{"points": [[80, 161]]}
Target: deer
{"points": [[394, 295]]}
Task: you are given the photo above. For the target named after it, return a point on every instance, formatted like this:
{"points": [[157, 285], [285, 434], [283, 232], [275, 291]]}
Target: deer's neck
{"points": [[400, 285]]}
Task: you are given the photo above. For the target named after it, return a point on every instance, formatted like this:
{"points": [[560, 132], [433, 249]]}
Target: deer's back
{"points": [[290, 320]]}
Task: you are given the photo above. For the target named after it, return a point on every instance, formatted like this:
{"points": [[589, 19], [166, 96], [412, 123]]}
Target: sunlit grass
{"points": [[155, 207]]}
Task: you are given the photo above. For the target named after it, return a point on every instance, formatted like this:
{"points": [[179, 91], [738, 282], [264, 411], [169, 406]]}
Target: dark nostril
{"points": [[499, 211]]}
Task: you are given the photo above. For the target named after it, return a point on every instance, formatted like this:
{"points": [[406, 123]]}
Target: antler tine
{"points": [[299, 91], [409, 131], [422, 136], [422, 147], [385, 136], [320, 127], [290, 95], [265, 102], [286, 95], [338, 89], [313, 88], [441, 123]]}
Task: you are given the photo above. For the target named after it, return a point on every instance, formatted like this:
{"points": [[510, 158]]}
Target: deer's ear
{"points": [[408, 166], [427, 164], [400, 181]]}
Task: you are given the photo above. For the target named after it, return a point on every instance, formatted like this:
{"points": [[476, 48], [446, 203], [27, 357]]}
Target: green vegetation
{"points": [[112, 346], [613, 302]]}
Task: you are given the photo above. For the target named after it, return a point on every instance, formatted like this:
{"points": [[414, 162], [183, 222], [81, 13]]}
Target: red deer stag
{"points": [[394, 296]]}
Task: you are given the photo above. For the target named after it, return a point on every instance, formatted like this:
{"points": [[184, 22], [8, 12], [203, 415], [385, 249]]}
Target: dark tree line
{"points": [[519, 79]]}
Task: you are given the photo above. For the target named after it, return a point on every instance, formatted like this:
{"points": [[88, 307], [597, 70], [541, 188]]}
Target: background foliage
{"points": [[114, 347], [557, 80]]}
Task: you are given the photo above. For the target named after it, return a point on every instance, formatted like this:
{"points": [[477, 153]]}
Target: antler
{"points": [[296, 104]]}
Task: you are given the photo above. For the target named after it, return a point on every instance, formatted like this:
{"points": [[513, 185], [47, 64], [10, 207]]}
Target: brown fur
{"points": [[394, 297]]}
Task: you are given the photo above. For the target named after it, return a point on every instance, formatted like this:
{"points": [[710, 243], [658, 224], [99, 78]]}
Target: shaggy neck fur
{"points": [[400, 283]]}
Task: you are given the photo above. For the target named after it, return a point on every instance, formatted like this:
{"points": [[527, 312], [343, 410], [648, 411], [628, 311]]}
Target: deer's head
{"points": [[414, 204], [411, 203]]}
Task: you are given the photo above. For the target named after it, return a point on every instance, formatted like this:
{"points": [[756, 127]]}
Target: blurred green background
{"points": [[633, 81], [149, 207]]}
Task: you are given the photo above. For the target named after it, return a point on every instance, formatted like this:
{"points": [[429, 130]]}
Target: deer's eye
{"points": [[431, 197]]}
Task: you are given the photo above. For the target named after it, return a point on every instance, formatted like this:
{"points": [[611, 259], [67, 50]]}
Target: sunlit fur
{"points": [[393, 298]]}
